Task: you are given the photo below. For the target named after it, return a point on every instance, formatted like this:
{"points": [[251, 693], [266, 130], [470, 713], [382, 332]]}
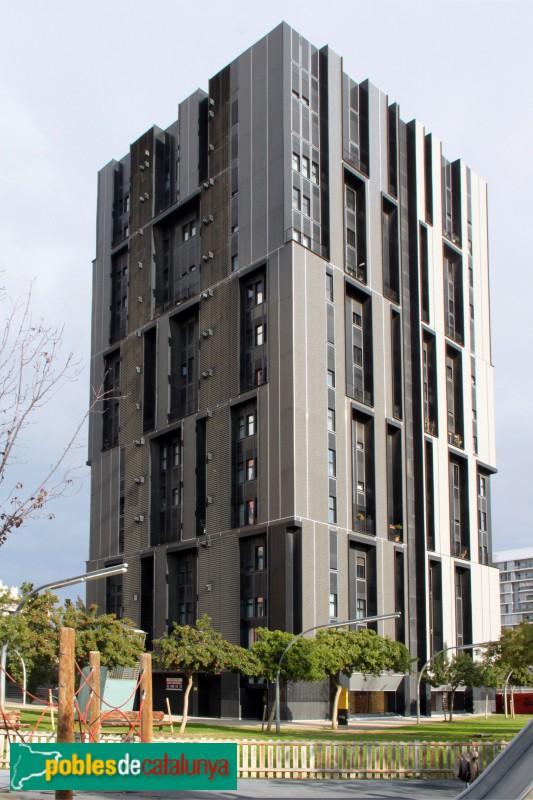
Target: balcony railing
{"points": [[430, 426], [363, 395], [454, 334], [356, 272], [455, 439], [364, 524], [395, 532], [461, 551]]}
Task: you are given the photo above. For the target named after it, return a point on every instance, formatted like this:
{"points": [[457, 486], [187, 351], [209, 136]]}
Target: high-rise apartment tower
{"points": [[291, 321]]}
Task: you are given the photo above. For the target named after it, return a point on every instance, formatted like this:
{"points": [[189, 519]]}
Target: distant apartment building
{"points": [[12, 598], [516, 585], [291, 322]]}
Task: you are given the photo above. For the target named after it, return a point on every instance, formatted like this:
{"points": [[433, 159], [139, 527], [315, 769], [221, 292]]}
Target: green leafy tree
{"points": [[492, 674], [33, 633], [190, 649], [515, 647], [342, 652], [116, 640], [461, 670], [513, 653], [299, 664]]}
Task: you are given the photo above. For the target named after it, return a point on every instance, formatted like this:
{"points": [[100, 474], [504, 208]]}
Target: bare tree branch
{"points": [[32, 372]]}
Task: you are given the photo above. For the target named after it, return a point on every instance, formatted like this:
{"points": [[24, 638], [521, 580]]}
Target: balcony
{"points": [[461, 551], [395, 532], [455, 440], [362, 395], [430, 426], [453, 333], [356, 272], [363, 524]]}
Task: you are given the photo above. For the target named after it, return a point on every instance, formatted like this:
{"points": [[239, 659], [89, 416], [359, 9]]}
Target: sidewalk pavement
{"points": [[288, 789]]}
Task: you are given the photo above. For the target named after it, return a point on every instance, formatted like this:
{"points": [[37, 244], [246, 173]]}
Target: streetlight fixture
{"points": [[95, 575], [359, 621]]}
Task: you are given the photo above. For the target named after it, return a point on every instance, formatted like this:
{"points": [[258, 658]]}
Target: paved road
{"points": [[311, 790]]}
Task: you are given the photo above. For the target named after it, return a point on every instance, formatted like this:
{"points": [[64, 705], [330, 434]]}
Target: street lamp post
{"points": [[95, 575], [360, 621], [428, 662]]}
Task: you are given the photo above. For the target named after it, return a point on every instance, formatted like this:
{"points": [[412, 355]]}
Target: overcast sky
{"points": [[80, 82]]}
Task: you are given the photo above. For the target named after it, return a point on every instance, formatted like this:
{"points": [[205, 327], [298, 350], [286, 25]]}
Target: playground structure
{"points": [[84, 720]]}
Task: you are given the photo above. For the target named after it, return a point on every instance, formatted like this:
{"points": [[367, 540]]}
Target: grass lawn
{"points": [[461, 729]]}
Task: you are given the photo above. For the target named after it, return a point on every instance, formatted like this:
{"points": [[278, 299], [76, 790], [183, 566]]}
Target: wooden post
{"points": [[170, 717], [147, 727], [65, 710], [51, 704], [94, 708]]}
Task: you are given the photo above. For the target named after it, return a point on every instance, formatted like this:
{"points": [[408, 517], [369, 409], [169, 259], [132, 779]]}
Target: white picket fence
{"points": [[334, 760]]}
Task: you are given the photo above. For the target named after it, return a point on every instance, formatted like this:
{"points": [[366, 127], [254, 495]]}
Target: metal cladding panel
{"points": [[131, 584], [218, 472], [278, 567], [140, 279], [216, 202], [219, 123], [218, 582], [136, 451], [219, 351], [189, 143], [104, 505], [343, 599], [101, 297], [189, 487]]}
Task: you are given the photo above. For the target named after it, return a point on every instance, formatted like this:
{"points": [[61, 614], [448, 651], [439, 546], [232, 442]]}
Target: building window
{"points": [[333, 606], [331, 419], [332, 509], [250, 424], [250, 469], [165, 522], [296, 199], [329, 287], [305, 166], [306, 205], [250, 512], [260, 606], [314, 173], [350, 199], [253, 333], [332, 463], [296, 162], [360, 608], [331, 377], [358, 356], [260, 558], [360, 568], [234, 263], [482, 486]]}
